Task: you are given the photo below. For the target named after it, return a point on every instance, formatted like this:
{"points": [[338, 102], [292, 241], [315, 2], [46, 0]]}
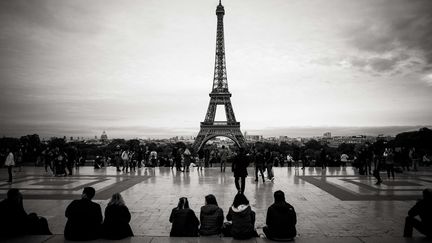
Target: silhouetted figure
{"points": [[14, 220], [84, 217], [9, 163], [259, 165], [223, 158], [183, 219], [211, 217], [117, 217], [239, 167], [281, 219], [423, 209], [243, 219]]}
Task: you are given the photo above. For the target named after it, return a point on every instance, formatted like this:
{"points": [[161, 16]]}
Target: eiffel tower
{"points": [[219, 96]]}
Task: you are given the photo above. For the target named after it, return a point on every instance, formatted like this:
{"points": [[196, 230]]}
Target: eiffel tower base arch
{"points": [[208, 132]]}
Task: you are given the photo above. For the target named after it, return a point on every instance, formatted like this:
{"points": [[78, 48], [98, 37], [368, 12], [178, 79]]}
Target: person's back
{"points": [[84, 218], [242, 217], [281, 220], [423, 209], [13, 218], [211, 217], [117, 217], [184, 221]]}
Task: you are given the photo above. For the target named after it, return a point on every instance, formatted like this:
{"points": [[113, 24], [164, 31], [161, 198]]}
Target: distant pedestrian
{"points": [[223, 158], [344, 160], [281, 219], [117, 217], [201, 158], [186, 160], [125, 157], [239, 167], [414, 157], [389, 162], [9, 163], [183, 219], [423, 209], [259, 164]]}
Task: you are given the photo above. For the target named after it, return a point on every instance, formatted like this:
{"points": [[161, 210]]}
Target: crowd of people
{"points": [[85, 220]]}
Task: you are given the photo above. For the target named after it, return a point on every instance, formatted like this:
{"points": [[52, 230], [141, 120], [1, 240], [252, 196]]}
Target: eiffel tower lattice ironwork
{"points": [[219, 96]]}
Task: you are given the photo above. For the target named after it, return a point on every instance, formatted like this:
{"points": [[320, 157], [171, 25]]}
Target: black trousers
{"points": [[240, 188], [260, 169], [10, 173], [270, 235], [413, 223]]}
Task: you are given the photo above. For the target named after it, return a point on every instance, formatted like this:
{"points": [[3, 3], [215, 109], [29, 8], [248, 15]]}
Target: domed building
{"points": [[104, 137]]}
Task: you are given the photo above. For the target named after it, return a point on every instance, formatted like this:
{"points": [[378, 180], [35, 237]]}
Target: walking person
{"points": [[376, 172], [414, 157], [186, 160], [389, 162], [223, 158], [239, 167], [183, 219], [259, 165], [9, 163], [125, 158], [211, 217], [269, 157], [200, 159], [117, 217]]}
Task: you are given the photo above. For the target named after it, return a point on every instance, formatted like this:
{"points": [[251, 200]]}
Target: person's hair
{"points": [[13, 193], [427, 194], [211, 200], [183, 203], [89, 192], [223, 146], [116, 199], [240, 199], [279, 196]]}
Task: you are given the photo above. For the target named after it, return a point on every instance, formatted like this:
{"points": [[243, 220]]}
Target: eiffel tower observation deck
{"points": [[219, 95]]}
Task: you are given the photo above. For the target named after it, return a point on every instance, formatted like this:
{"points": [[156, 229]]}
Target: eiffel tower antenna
{"points": [[219, 96]]}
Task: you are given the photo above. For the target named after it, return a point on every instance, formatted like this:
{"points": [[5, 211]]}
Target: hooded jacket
{"points": [[243, 222], [211, 218], [184, 222]]}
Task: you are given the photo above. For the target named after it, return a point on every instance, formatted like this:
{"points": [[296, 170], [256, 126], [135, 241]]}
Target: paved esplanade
{"points": [[339, 203]]}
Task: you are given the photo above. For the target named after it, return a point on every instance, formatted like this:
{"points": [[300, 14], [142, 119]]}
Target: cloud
{"points": [[428, 79], [391, 34]]}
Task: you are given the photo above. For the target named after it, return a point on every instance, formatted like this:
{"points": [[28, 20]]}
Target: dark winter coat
{"points": [[84, 220], [239, 165], [243, 222], [211, 218], [184, 222], [281, 220], [423, 208], [116, 224], [13, 219]]}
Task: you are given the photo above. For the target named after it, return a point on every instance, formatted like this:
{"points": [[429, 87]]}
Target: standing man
{"points": [[259, 164], [239, 167], [223, 158], [125, 158], [9, 163]]}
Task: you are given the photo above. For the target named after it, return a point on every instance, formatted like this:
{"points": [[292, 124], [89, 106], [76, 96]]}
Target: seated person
{"points": [[117, 217], [281, 219], [183, 219], [14, 219], [84, 217], [423, 209], [211, 217], [243, 219]]}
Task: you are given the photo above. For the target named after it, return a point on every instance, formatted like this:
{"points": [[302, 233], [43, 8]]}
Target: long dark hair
{"points": [[183, 203], [211, 200], [240, 199]]}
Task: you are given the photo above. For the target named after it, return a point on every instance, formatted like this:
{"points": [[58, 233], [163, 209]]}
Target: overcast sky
{"points": [[143, 68]]}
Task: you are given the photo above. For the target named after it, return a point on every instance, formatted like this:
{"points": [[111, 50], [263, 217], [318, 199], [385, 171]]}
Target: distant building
{"points": [[253, 138], [104, 137], [327, 135]]}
